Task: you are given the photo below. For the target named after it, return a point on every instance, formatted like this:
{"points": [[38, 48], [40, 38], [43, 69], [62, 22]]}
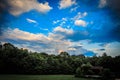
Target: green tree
{"points": [[79, 72], [64, 54], [86, 68], [106, 74]]}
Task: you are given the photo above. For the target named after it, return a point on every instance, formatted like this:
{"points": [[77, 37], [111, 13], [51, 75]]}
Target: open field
{"points": [[40, 77]]}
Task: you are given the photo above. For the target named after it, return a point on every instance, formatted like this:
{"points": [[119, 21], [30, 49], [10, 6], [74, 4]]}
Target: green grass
{"points": [[40, 77]]}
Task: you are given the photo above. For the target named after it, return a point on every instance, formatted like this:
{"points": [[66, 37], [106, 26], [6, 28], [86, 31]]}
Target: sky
{"points": [[89, 27]]}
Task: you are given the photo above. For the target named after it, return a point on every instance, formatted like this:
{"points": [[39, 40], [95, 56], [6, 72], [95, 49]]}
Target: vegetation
{"points": [[21, 61]]}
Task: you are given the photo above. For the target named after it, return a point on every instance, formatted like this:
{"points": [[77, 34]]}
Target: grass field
{"points": [[40, 77]]}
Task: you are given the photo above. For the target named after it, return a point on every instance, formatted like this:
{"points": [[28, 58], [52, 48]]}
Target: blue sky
{"points": [[89, 27]]}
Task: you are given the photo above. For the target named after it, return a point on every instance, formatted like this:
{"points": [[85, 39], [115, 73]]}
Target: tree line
{"points": [[21, 61]]}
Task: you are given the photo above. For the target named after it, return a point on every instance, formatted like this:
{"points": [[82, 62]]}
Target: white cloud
{"points": [[112, 49], [77, 49], [55, 22], [17, 7], [63, 30], [38, 42], [64, 19], [23, 35], [66, 3], [102, 3], [56, 36], [61, 22], [71, 49], [74, 9], [31, 20], [84, 14], [80, 23], [79, 15], [51, 44], [60, 33], [45, 29]]}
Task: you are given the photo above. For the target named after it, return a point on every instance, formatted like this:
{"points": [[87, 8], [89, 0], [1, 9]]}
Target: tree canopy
{"points": [[21, 61]]}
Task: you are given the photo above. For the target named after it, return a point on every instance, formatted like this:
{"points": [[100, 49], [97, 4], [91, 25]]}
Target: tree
{"points": [[0, 45], [66, 68], [21, 61], [8, 46], [104, 55], [106, 75], [86, 68], [78, 72], [64, 54]]}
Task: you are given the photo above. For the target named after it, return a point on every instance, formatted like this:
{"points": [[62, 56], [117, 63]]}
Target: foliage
{"points": [[21, 61], [78, 72], [86, 68], [106, 75]]}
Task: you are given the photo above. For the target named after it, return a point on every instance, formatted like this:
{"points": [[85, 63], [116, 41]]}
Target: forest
{"points": [[21, 61]]}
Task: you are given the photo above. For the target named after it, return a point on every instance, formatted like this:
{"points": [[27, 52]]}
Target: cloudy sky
{"points": [[89, 27]]}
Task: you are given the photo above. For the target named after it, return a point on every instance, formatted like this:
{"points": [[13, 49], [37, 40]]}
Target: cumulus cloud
{"points": [[112, 49], [78, 36], [63, 30], [80, 23], [36, 42], [78, 49], [60, 33], [51, 44], [22, 35], [66, 3], [77, 19], [17, 7]]}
